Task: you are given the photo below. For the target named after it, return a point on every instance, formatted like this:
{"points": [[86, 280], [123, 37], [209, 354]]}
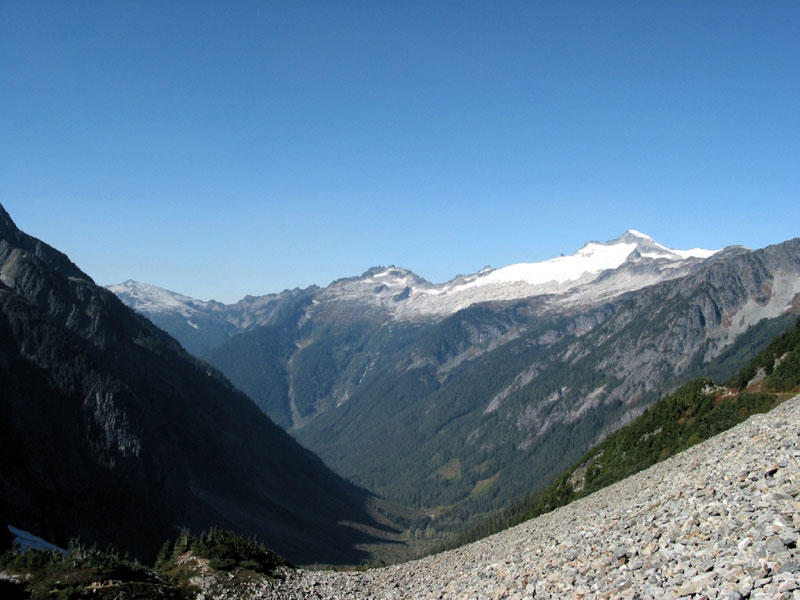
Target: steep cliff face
{"points": [[111, 431]]}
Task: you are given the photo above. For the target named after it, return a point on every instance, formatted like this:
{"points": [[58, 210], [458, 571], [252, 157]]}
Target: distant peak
{"points": [[380, 270], [639, 234], [6, 222], [133, 285], [631, 236]]}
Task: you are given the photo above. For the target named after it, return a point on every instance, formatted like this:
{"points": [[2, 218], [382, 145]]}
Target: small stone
{"points": [[744, 543]]}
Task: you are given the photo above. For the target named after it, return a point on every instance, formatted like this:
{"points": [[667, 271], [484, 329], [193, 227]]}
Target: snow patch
{"points": [[25, 540], [639, 234], [148, 298], [591, 259], [695, 253]]}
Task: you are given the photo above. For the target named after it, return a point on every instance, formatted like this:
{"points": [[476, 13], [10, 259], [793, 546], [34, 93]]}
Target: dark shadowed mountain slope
{"points": [[111, 431]]}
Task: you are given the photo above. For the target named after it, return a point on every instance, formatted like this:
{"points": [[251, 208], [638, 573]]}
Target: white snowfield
{"points": [[25, 539], [592, 258], [597, 271]]}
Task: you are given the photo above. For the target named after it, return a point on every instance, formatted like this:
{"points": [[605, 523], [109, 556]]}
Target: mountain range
{"points": [[596, 271], [111, 431], [454, 398]]}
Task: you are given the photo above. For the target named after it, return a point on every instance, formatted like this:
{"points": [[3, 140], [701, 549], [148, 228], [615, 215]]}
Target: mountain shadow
{"points": [[111, 431]]}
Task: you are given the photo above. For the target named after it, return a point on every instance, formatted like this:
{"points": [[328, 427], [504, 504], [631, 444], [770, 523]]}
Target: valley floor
{"points": [[720, 520]]}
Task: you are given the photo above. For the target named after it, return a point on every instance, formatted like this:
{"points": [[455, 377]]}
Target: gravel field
{"points": [[720, 520]]}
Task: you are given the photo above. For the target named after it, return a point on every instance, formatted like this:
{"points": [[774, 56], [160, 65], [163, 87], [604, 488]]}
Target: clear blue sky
{"points": [[225, 148]]}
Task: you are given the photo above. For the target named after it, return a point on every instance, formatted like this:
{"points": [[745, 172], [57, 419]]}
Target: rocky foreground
{"points": [[720, 520]]}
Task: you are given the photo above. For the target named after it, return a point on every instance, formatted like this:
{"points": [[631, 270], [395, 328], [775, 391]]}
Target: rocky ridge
{"points": [[720, 520]]}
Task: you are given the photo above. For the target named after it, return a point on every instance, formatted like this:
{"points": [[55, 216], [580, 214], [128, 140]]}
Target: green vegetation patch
{"points": [[84, 572], [451, 471], [484, 485], [224, 550], [780, 363]]}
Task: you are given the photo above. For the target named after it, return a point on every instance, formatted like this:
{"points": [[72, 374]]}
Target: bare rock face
{"points": [[720, 520]]}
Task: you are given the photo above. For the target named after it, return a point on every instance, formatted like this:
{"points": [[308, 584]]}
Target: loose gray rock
{"points": [[718, 521]]}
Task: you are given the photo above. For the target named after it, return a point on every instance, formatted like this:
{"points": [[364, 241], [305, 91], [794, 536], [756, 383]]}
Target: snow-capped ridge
{"points": [[591, 259], [639, 234], [592, 272], [596, 271], [149, 298]]}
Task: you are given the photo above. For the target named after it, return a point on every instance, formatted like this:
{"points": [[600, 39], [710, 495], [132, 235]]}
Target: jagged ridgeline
{"points": [[695, 412], [111, 431]]}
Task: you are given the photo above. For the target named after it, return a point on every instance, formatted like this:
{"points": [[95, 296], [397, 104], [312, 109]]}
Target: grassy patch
{"points": [[484, 485], [451, 471]]}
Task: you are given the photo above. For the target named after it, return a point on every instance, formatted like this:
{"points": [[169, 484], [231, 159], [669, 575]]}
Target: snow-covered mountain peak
{"points": [[632, 236], [391, 274], [649, 248], [639, 234], [630, 261], [149, 299], [588, 261], [378, 286]]}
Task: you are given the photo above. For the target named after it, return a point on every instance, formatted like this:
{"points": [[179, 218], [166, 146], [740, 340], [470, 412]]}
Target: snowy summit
{"points": [[593, 258], [630, 261]]}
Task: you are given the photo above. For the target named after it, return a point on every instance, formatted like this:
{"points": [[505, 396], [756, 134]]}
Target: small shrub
{"points": [[227, 551]]}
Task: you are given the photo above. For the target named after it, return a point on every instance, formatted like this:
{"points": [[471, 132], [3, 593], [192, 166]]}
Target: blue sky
{"points": [[226, 148]]}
